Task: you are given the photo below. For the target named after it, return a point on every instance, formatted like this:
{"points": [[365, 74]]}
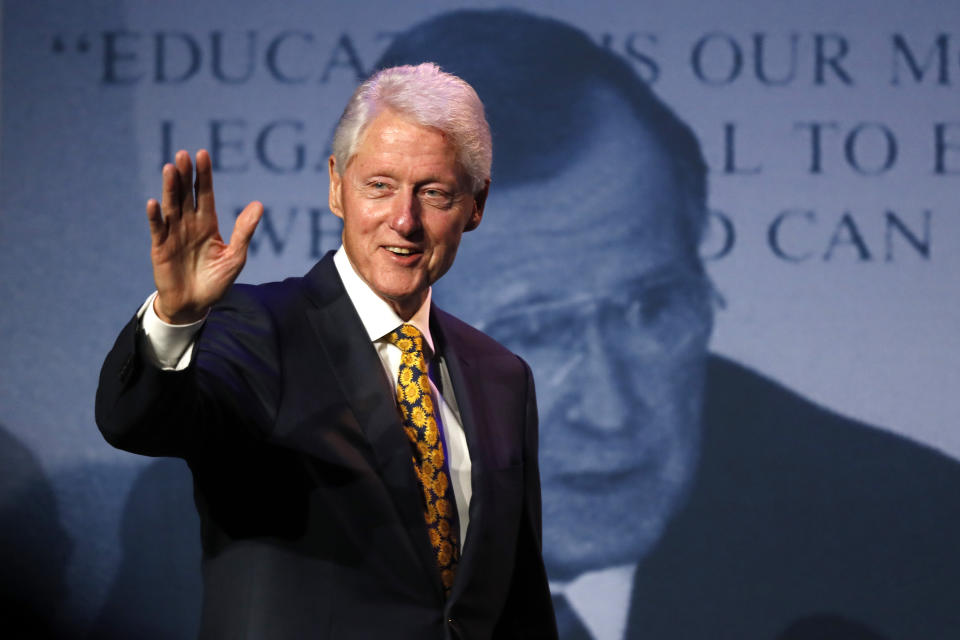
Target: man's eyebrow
{"points": [[517, 306], [365, 179], [533, 300], [668, 272]]}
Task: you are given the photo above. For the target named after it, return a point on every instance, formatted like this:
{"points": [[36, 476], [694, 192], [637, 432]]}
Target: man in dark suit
{"points": [[364, 464], [685, 496]]}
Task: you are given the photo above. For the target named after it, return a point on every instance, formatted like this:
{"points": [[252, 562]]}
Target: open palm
{"points": [[192, 266]]}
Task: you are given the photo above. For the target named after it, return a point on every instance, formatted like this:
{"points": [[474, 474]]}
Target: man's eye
{"points": [[512, 330], [377, 188], [437, 197], [662, 306], [531, 330]]}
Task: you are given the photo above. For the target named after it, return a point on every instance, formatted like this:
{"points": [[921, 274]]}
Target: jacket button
{"points": [[454, 627]]}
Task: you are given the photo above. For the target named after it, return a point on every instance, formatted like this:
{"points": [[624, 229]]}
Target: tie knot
{"points": [[407, 338]]}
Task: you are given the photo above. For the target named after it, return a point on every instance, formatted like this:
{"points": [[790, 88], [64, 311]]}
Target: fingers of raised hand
{"points": [[158, 229], [185, 179], [204, 183], [170, 193], [244, 227]]}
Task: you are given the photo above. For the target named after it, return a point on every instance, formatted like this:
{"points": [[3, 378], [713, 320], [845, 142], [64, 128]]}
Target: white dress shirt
{"points": [[601, 599], [171, 346], [379, 320]]}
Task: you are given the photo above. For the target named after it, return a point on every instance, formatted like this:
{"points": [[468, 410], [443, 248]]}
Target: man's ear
{"points": [[479, 200], [336, 191]]}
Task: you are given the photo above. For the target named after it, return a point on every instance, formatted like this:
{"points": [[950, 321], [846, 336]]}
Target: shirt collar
{"points": [[377, 316], [601, 599]]}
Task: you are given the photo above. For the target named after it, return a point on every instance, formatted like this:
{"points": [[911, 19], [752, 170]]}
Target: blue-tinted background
{"points": [[828, 442]]}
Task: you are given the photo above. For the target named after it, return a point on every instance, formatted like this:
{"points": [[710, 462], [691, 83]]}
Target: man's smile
{"points": [[402, 251]]}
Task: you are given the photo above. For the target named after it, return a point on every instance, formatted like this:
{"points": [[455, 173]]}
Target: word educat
{"points": [[717, 58], [289, 57]]}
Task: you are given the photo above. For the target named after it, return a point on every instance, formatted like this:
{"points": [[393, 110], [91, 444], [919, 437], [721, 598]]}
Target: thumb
{"points": [[245, 225]]}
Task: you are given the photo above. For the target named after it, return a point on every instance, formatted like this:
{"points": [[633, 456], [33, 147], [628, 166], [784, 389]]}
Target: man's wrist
{"points": [[167, 345], [181, 318]]}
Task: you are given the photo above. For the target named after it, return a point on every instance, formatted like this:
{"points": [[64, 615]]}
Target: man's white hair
{"points": [[430, 97]]}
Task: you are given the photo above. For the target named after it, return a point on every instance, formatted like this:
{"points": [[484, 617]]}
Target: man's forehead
{"points": [[389, 131], [621, 165], [609, 216], [381, 151]]}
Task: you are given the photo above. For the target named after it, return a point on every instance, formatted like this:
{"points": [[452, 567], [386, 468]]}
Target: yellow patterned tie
{"points": [[429, 461]]}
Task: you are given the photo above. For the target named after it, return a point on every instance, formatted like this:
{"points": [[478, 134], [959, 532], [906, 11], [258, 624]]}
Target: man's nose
{"points": [[405, 214], [604, 397]]}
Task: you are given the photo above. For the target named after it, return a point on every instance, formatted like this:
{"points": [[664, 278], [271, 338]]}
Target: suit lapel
{"points": [[466, 390], [359, 372]]}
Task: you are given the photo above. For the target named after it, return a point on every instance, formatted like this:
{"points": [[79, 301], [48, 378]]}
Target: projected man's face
{"points": [[584, 275]]}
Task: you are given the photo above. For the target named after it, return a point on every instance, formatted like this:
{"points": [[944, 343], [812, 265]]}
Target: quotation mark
{"points": [[63, 45]]}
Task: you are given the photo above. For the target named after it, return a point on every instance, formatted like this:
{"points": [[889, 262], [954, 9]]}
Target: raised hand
{"points": [[192, 266]]}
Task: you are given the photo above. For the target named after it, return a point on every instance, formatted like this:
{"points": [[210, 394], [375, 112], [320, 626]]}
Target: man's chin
{"points": [[566, 567], [599, 542], [401, 294]]}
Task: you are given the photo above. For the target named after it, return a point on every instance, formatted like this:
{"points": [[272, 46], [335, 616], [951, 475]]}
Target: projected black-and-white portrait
{"points": [[724, 236]]}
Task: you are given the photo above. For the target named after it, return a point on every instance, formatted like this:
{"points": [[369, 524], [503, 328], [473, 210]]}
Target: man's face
{"points": [[405, 202], [584, 275]]}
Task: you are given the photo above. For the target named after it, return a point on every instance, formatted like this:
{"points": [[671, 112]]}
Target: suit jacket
{"points": [[803, 524], [311, 516]]}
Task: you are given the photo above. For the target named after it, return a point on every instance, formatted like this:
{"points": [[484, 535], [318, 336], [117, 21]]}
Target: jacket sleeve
{"points": [[528, 612], [230, 383]]}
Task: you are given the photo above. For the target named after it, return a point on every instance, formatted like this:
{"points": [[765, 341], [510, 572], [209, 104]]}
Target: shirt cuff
{"points": [[167, 346]]}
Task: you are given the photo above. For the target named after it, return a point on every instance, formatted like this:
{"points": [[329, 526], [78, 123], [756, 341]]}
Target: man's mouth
{"points": [[400, 251], [597, 480]]}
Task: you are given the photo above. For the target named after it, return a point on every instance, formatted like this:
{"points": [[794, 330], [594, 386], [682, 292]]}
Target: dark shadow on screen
{"points": [[156, 593], [69, 145], [798, 522], [801, 521], [34, 547], [829, 627]]}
